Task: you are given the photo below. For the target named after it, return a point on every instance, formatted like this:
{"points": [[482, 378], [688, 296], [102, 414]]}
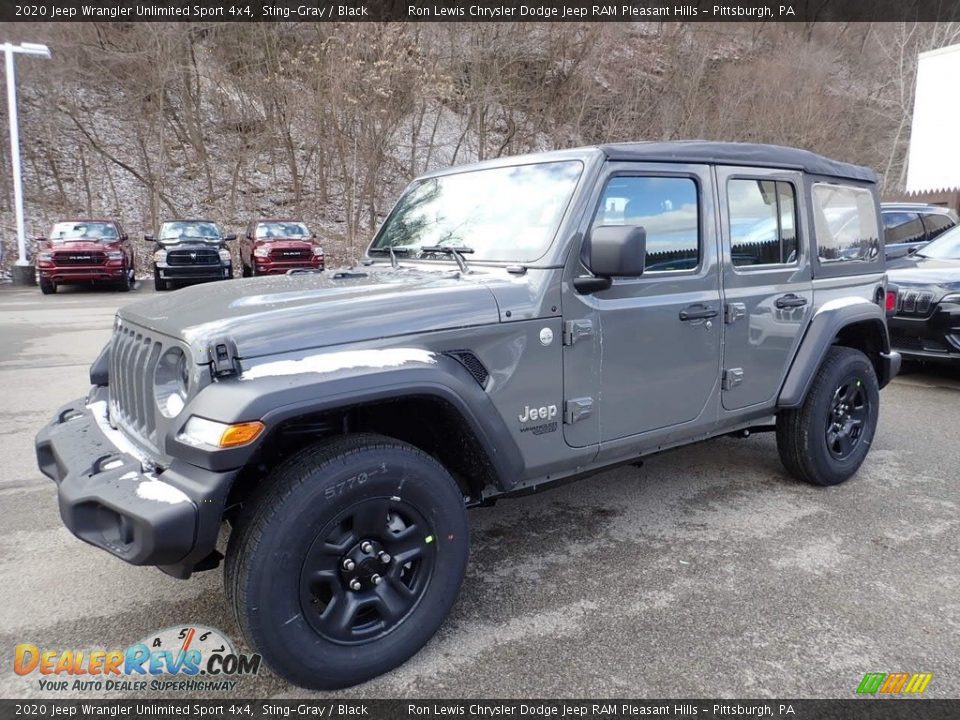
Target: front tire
{"points": [[127, 282], [47, 287], [347, 560], [159, 284], [825, 441]]}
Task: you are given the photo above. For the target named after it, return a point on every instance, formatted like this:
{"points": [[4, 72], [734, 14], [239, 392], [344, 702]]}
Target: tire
{"points": [[159, 284], [48, 287], [304, 519], [126, 283], [825, 441], [245, 271]]}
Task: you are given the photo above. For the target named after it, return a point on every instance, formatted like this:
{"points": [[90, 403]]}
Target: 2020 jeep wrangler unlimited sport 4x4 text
{"points": [[515, 322]]}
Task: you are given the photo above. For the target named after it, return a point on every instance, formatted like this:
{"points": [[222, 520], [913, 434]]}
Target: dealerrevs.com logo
{"points": [[894, 683], [184, 658]]}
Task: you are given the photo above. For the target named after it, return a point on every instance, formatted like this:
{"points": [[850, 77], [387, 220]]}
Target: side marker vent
{"points": [[473, 365]]}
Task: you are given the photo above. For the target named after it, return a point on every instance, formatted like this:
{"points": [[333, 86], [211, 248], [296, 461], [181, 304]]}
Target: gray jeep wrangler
{"points": [[514, 323]]}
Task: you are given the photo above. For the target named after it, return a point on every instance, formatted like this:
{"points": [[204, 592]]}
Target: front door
{"points": [[650, 358], [767, 282]]}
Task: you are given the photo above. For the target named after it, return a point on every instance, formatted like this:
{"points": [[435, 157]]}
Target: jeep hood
{"points": [[939, 276], [276, 314]]}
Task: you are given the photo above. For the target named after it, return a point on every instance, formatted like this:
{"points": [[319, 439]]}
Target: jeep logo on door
{"points": [[542, 413]]}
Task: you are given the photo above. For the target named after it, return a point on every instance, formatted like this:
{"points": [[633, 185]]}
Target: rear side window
{"points": [[845, 220], [666, 207], [937, 224], [902, 227], [763, 222]]}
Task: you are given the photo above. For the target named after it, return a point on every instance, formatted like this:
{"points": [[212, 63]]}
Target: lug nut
{"points": [[385, 558], [376, 579], [349, 564], [366, 547], [354, 584]]}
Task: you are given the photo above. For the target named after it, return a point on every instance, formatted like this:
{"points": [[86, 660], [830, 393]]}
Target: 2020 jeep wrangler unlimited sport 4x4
{"points": [[515, 323]]}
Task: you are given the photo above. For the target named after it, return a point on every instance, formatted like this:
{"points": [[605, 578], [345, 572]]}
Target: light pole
{"points": [[22, 271]]}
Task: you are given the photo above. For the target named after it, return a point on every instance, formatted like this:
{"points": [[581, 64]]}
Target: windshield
{"points": [[945, 247], [180, 230], [506, 214], [64, 232], [271, 230]]}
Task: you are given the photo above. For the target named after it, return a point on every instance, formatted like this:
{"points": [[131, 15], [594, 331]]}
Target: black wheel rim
{"points": [[847, 418], [367, 570]]}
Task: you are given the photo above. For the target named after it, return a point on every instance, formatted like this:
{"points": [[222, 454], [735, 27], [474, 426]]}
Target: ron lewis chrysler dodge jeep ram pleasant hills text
{"points": [[514, 323]]}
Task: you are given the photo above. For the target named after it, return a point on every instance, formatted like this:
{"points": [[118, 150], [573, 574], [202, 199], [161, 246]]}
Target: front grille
{"points": [[288, 254], [79, 258], [202, 256], [914, 302], [133, 359]]}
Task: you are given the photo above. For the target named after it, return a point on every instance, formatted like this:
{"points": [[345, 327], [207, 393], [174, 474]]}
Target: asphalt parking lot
{"points": [[707, 572]]}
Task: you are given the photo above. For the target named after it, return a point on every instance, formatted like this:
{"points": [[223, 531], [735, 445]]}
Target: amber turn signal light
{"points": [[241, 434]]}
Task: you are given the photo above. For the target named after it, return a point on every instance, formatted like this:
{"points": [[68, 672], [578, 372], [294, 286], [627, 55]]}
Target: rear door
{"points": [[646, 352], [767, 280]]}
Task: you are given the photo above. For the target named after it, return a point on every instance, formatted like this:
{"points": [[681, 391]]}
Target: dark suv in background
{"points": [[81, 252], [907, 227], [190, 251], [272, 247]]}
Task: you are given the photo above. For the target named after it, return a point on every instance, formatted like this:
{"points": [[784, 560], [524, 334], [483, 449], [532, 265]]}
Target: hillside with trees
{"points": [[329, 121]]}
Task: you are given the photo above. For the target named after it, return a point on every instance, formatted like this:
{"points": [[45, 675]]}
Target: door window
{"points": [[937, 224], [901, 227], [666, 207], [763, 222]]}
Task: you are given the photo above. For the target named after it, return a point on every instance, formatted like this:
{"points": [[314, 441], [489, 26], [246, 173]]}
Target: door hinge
{"points": [[732, 378], [223, 358], [573, 330], [577, 409], [733, 312]]}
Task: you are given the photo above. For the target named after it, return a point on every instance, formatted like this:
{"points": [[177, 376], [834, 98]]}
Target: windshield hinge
{"points": [[223, 358]]}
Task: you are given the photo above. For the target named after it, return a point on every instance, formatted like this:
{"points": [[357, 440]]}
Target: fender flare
{"points": [[274, 400], [826, 324]]}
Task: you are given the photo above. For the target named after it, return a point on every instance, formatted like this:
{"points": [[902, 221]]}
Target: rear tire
{"points": [[48, 287], [389, 509], [825, 441]]}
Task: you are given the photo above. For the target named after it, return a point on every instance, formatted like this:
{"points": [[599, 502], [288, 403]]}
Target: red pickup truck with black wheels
{"points": [[272, 247], [80, 252]]}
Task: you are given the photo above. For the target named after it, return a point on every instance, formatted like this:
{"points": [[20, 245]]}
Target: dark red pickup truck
{"points": [[272, 247], [84, 252]]}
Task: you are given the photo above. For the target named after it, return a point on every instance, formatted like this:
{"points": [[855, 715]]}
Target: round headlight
{"points": [[171, 382]]}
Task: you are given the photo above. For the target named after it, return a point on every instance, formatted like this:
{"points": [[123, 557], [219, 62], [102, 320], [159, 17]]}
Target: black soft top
{"points": [[732, 153]]}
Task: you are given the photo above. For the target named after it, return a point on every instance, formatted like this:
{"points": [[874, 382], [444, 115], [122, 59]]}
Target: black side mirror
{"points": [[912, 250], [40, 238], [612, 251], [228, 238], [124, 238], [149, 238]]}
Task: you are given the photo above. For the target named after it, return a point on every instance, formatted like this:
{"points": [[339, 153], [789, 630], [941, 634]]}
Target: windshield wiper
{"points": [[456, 252], [392, 251]]}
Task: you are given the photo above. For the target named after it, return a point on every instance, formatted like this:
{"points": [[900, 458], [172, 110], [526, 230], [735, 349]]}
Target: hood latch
{"points": [[223, 358]]}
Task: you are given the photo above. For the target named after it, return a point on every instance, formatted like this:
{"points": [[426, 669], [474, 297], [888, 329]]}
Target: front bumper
{"points": [[277, 267], [112, 497], [82, 273], [936, 337], [194, 273]]}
